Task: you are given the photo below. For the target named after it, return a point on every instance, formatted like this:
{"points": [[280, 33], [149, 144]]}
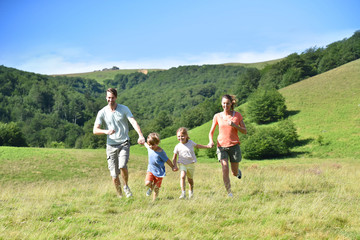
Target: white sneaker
{"points": [[191, 194], [127, 191], [230, 195], [148, 192], [182, 196]]}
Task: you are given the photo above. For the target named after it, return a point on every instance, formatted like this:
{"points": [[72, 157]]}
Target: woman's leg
{"points": [[225, 170], [235, 168]]}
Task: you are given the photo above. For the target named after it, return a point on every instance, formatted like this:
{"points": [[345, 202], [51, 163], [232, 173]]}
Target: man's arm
{"points": [[136, 126], [98, 131]]}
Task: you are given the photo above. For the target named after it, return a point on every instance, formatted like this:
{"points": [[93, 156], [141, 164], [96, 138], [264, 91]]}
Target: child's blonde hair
{"points": [[184, 131], [153, 139]]}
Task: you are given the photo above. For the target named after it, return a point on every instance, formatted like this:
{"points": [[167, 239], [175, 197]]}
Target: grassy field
{"points": [[68, 194]]}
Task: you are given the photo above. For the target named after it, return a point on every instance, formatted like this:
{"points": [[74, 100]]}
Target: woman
{"points": [[228, 143]]}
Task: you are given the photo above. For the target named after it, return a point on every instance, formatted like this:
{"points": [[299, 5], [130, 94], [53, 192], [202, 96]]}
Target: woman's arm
{"points": [[211, 134], [241, 127]]}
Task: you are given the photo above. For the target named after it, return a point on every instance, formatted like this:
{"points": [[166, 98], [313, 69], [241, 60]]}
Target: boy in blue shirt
{"points": [[156, 167]]}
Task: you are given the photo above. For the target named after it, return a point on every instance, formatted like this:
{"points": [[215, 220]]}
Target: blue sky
{"points": [[55, 37]]}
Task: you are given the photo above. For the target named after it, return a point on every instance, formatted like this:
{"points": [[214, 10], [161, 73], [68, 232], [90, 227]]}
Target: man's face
{"points": [[110, 98]]}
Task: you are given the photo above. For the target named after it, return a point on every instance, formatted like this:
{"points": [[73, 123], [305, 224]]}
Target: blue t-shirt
{"points": [[157, 162], [117, 120]]}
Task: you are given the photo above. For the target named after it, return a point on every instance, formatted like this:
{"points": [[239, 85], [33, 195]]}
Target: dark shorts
{"points": [[233, 152]]}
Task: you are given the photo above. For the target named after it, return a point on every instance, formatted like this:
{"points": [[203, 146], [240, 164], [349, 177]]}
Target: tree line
{"points": [[60, 111]]}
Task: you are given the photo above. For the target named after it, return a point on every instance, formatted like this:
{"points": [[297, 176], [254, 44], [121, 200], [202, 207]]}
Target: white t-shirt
{"points": [[185, 152], [117, 120]]}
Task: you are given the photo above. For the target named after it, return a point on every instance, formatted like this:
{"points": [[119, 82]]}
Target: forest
{"points": [[59, 111]]}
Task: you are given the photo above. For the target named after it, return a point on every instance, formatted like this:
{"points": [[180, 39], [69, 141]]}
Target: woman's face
{"points": [[226, 104]]}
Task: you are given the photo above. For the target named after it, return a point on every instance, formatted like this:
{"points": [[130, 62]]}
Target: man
{"points": [[114, 117]]}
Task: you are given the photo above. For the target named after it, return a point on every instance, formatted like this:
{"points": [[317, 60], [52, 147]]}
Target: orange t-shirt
{"points": [[228, 135]]}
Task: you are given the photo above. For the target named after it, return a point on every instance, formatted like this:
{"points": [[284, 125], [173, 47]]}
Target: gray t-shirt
{"points": [[117, 120]]}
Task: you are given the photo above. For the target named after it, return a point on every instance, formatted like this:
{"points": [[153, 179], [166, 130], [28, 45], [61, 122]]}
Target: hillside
{"points": [[325, 109], [100, 76]]}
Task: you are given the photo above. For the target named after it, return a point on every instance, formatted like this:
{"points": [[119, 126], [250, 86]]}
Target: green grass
{"points": [[327, 111], [300, 198], [258, 65]]}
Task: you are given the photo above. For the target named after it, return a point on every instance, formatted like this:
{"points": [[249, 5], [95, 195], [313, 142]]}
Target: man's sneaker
{"points": [[148, 192], [191, 194], [127, 191], [239, 174], [182, 196]]}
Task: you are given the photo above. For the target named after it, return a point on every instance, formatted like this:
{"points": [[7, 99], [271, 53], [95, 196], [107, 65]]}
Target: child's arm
{"points": [[171, 165], [202, 146], [174, 160]]}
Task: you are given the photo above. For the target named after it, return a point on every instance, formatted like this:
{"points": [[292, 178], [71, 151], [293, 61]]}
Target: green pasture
{"points": [[326, 111], [68, 194]]}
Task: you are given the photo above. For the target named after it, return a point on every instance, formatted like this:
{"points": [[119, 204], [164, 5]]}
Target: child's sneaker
{"points": [[127, 191], [148, 192], [182, 196], [239, 174], [230, 195], [191, 194]]}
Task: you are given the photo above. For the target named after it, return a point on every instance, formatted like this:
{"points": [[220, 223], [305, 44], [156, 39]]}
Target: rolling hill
{"points": [[325, 109]]}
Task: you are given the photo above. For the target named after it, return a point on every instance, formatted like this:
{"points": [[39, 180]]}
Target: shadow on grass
{"points": [[291, 113]]}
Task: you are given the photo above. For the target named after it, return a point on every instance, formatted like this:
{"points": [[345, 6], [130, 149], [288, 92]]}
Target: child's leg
{"points": [[149, 184], [182, 180], [156, 192], [191, 184]]}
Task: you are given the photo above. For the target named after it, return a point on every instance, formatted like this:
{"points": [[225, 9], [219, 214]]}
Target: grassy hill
{"points": [[100, 76], [325, 110]]}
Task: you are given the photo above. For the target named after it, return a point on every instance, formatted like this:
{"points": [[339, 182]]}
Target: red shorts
{"points": [[151, 178]]}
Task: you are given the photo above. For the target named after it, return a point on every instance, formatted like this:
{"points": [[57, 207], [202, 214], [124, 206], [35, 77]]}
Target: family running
{"points": [[113, 119]]}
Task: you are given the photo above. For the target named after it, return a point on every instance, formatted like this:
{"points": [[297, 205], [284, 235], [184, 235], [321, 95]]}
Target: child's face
{"points": [[182, 137], [153, 147]]}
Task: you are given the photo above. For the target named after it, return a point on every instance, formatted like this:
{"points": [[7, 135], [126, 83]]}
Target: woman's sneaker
{"points": [[239, 175]]}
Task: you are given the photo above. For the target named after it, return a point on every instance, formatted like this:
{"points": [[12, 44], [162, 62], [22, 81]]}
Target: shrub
{"points": [[267, 142], [211, 152], [266, 106]]}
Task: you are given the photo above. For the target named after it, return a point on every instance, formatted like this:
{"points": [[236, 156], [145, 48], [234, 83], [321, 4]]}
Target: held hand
{"points": [[230, 123], [141, 140], [210, 145], [175, 169]]}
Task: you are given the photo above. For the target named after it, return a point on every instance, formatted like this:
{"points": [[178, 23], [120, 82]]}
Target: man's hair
{"points": [[153, 139], [113, 91]]}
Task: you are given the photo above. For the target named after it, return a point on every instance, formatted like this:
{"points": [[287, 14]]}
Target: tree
{"points": [[11, 135], [266, 106]]}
